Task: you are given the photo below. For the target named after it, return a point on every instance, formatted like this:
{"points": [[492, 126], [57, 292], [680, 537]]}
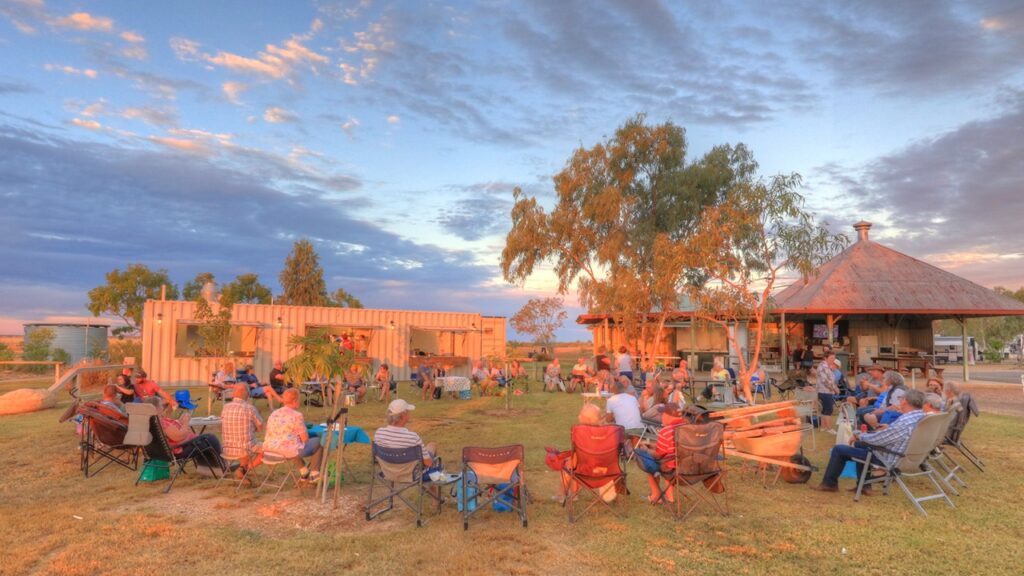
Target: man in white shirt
{"points": [[624, 409]]}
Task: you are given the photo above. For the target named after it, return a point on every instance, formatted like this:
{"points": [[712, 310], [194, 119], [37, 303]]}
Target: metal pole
{"points": [[963, 333], [782, 344]]}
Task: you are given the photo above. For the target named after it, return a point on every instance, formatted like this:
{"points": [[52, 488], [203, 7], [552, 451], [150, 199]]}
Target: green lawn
{"points": [[202, 529]]}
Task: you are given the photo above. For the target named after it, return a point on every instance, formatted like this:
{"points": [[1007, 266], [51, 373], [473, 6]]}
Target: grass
{"points": [[782, 529]]}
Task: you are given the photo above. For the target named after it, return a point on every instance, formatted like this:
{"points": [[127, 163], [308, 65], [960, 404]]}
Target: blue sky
{"points": [[198, 136]]}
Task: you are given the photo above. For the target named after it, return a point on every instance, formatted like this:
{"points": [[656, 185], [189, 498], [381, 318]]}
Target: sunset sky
{"points": [[208, 136]]}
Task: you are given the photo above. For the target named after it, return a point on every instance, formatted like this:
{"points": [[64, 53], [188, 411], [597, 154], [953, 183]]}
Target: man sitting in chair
{"points": [[146, 389], [894, 439], [287, 436], [580, 373], [624, 409], [396, 435], [240, 422], [257, 390], [110, 399]]}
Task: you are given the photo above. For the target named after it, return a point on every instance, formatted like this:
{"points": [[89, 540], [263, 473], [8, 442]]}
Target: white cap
{"points": [[398, 406]]}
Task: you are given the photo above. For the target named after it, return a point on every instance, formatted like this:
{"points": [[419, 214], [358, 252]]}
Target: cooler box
{"points": [[155, 470]]}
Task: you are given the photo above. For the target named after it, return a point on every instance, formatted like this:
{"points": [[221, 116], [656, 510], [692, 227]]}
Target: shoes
{"points": [[867, 491], [824, 488], [831, 431], [313, 477]]}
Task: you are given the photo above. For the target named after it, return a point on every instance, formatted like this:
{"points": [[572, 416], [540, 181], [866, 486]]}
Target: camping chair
{"points": [[159, 450], [954, 436], [499, 472], [274, 461], [184, 400], [912, 462], [763, 388], [596, 465], [699, 475], [103, 440], [398, 470], [313, 393], [947, 467], [807, 408]]}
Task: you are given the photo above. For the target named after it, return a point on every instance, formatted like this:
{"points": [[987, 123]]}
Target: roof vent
{"points": [[862, 228]]}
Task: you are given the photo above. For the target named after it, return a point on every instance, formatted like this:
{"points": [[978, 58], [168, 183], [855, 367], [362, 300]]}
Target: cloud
{"points": [[182, 144], [85, 21], [483, 212], [89, 124], [15, 88], [275, 62], [394, 119], [277, 115], [349, 126], [233, 90], [87, 72], [953, 197], [132, 37], [185, 49], [151, 115]]}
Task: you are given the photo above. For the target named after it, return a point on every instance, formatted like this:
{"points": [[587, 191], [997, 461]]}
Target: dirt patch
{"points": [[1005, 399], [286, 514]]}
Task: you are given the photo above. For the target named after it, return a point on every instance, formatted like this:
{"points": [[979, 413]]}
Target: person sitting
{"points": [[757, 378], [125, 388], [623, 408], [552, 376], [278, 379], [651, 398], [183, 441], [481, 377], [893, 439], [386, 383], [889, 413], [354, 382], [396, 434], [111, 400], [718, 374], [580, 374], [257, 390], [518, 373], [681, 375], [886, 401], [240, 421], [867, 385], [146, 389], [933, 403], [950, 394], [287, 436], [664, 450], [590, 415]]}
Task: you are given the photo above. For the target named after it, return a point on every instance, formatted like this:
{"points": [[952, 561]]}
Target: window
{"points": [[241, 341]]}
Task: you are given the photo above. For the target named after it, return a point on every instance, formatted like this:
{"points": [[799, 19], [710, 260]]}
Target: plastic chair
{"points": [[596, 465], [184, 400], [500, 469]]}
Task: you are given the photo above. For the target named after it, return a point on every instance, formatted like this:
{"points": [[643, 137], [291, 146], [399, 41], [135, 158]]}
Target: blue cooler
{"points": [[465, 394], [470, 493], [504, 502]]}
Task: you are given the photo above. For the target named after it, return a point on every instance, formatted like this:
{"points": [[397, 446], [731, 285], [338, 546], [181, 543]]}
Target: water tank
{"points": [[79, 339]]}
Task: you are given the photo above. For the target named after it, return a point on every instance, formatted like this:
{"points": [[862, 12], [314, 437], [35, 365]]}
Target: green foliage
{"points": [[60, 355], [245, 289], [984, 329], [318, 357], [125, 348], [214, 330], [6, 354], [540, 318], [37, 347], [194, 288], [994, 352], [125, 294], [302, 278], [342, 299], [617, 202]]}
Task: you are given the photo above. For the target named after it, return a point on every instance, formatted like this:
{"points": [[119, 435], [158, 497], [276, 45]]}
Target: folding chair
{"points": [[699, 475], [184, 400], [948, 468], [273, 461], [103, 440], [398, 470], [499, 472], [954, 436], [159, 449], [913, 462], [807, 407], [763, 388], [596, 465]]}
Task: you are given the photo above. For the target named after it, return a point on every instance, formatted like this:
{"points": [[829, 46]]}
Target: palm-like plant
{"points": [[319, 357]]}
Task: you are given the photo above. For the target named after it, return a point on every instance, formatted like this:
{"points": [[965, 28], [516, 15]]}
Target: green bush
{"points": [[6, 354]]}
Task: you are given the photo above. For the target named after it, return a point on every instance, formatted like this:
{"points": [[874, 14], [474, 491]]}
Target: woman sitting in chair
{"points": [[651, 398], [580, 374], [386, 382]]}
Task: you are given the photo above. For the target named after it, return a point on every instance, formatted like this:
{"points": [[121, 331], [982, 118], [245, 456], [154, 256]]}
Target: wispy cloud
{"points": [[85, 21], [277, 115], [233, 91], [87, 72]]}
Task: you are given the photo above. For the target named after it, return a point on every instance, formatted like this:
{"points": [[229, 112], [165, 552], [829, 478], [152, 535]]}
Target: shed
{"points": [[86, 338], [879, 304], [260, 335]]}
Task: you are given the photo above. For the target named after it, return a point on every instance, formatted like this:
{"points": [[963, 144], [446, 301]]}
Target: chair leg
{"points": [[910, 495]]}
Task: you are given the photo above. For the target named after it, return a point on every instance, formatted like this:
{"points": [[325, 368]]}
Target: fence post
{"points": [[56, 372]]}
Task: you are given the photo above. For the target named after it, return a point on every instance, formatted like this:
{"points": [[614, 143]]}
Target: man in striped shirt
{"points": [[893, 438], [396, 435]]}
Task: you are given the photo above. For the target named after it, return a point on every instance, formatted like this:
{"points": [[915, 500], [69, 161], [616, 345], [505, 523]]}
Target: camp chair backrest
{"points": [[159, 448], [922, 441], [398, 464], [596, 449], [945, 418], [107, 430], [698, 447], [493, 465], [139, 415]]}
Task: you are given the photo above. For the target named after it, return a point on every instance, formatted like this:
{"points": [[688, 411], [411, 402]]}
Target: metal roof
{"points": [[869, 278]]}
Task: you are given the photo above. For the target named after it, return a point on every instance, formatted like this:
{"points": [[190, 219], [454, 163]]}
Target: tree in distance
{"points": [[540, 318], [125, 294], [245, 289], [302, 278], [342, 299], [616, 202]]}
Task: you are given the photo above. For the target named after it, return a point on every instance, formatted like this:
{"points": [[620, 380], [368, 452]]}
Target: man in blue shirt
{"points": [[894, 439]]}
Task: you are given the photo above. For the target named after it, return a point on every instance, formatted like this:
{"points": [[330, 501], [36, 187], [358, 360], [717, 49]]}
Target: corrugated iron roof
{"points": [[869, 278]]}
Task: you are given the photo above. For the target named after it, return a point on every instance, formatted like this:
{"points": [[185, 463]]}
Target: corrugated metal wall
{"points": [[388, 344], [76, 340]]}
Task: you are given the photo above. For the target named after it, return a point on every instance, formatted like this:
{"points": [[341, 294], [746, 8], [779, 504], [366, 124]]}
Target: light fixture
{"points": [[391, 324], [160, 318], [279, 322]]}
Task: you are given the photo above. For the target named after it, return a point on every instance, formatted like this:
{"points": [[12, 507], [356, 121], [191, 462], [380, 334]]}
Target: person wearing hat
{"points": [[396, 435], [664, 450], [867, 385]]}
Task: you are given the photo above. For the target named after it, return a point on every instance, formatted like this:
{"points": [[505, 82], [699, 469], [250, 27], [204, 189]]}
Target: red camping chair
{"points": [[103, 439], [596, 465]]}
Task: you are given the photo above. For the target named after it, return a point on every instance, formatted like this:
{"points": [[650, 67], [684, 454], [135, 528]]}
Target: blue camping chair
{"points": [[184, 400]]}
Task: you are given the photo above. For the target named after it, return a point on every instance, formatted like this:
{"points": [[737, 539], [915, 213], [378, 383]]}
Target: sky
{"points": [[209, 136]]}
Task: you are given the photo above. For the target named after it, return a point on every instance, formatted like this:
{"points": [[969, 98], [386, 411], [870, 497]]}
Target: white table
{"points": [[199, 425], [453, 383]]}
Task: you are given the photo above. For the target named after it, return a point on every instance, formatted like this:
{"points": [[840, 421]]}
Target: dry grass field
{"points": [[56, 522]]}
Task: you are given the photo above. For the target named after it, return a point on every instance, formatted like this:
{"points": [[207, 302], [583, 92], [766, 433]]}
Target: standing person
{"points": [[624, 363], [288, 437], [277, 378], [240, 422], [346, 342], [825, 385], [807, 360], [146, 389]]}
